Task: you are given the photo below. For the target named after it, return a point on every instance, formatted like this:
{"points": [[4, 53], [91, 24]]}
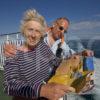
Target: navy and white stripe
{"points": [[24, 74]]}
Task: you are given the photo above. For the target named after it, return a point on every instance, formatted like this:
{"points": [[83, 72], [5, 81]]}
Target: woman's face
{"points": [[32, 32]]}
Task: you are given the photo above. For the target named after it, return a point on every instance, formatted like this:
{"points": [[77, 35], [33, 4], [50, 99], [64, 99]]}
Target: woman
{"points": [[27, 73]]}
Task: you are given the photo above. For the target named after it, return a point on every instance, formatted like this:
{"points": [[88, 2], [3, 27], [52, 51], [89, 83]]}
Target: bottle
{"points": [[88, 68], [88, 64]]}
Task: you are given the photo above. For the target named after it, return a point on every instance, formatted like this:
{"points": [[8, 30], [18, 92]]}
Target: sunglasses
{"points": [[62, 28]]}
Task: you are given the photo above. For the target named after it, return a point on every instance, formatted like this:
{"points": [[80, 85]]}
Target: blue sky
{"points": [[84, 15]]}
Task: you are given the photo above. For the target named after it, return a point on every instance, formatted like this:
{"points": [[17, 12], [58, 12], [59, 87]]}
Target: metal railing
{"points": [[13, 38]]}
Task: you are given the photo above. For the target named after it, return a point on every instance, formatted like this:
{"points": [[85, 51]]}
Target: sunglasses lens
{"points": [[61, 28]]}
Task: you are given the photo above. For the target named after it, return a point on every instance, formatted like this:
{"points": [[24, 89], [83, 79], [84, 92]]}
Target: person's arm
{"points": [[15, 85], [69, 52]]}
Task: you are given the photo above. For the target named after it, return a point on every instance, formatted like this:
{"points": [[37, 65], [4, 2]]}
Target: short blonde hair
{"points": [[33, 15]]}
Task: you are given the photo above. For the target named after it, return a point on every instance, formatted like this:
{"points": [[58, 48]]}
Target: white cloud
{"points": [[98, 15], [85, 25]]}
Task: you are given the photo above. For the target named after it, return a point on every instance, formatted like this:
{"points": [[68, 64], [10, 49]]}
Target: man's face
{"points": [[59, 29], [32, 32]]}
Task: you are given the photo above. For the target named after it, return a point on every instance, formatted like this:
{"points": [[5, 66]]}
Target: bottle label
{"points": [[88, 64]]}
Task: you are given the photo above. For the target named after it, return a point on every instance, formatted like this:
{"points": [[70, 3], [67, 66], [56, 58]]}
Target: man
{"points": [[55, 40]]}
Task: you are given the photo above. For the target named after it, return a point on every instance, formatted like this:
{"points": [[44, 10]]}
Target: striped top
{"points": [[24, 74]]}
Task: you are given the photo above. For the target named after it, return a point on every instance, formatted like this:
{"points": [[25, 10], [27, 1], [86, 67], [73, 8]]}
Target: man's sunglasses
{"points": [[61, 28]]}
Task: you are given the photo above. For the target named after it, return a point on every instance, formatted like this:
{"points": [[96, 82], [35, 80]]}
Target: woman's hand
{"points": [[9, 50], [54, 91]]}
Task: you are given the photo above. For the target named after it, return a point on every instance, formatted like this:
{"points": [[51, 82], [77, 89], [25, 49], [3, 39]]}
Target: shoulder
{"points": [[65, 44], [43, 45]]}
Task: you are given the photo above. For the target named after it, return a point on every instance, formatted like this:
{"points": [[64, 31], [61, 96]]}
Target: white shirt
{"points": [[67, 51]]}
